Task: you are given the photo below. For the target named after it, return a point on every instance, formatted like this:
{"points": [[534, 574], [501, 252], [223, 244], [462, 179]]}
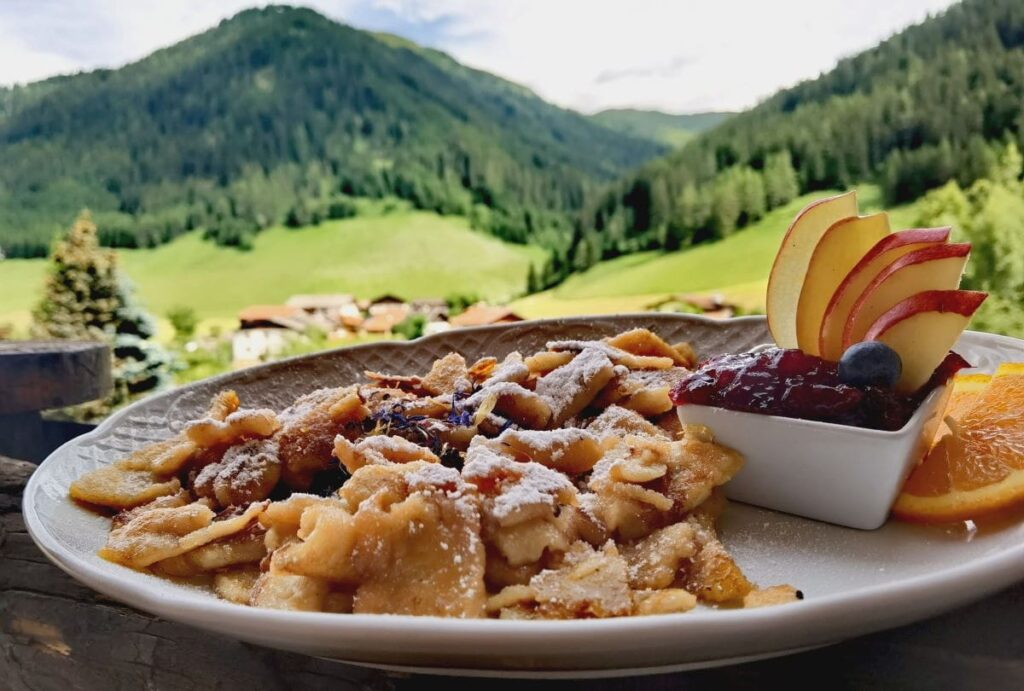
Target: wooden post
{"points": [[42, 375]]}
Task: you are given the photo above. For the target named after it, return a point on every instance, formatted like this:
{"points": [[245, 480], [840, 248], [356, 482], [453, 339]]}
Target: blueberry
{"points": [[870, 364]]}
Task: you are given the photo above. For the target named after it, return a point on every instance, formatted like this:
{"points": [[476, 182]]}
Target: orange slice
{"points": [[977, 467], [966, 388]]}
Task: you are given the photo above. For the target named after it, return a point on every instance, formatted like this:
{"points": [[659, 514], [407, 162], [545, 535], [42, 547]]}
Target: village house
{"points": [[264, 330], [330, 312], [384, 313], [482, 314], [380, 324], [435, 310], [431, 328], [386, 303]]}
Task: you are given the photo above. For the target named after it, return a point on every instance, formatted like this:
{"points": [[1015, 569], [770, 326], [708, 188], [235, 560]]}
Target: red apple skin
{"points": [[922, 328], [785, 238], [963, 302], [913, 236], [920, 256]]}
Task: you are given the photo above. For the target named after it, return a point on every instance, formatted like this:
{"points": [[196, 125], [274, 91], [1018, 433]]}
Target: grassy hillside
{"points": [[411, 254], [275, 113], [665, 128], [736, 267]]}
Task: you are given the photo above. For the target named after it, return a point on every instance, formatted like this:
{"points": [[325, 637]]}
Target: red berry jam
{"points": [[791, 383]]}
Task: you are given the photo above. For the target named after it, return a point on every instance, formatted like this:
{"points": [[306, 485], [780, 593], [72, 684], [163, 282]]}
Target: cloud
{"points": [[668, 69], [587, 54], [437, 30], [85, 34], [742, 51]]}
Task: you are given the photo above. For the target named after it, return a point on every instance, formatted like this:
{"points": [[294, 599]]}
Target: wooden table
{"points": [[56, 634], [42, 375]]}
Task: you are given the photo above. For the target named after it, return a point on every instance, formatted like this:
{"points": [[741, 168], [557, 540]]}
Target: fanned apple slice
{"points": [[922, 328], [885, 252], [787, 277], [931, 268], [844, 244]]}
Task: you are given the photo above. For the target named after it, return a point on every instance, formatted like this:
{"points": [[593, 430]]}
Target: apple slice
{"points": [[885, 252], [843, 245], [932, 268], [922, 328], [787, 277]]}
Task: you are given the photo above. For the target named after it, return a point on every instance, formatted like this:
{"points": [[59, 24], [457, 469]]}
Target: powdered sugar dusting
{"points": [[306, 405], [610, 351], [552, 443], [563, 386], [433, 476], [518, 484], [616, 420], [503, 388], [511, 369]]}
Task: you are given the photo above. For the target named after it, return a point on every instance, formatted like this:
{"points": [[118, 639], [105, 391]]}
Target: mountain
{"points": [[665, 128], [937, 101], [282, 114]]}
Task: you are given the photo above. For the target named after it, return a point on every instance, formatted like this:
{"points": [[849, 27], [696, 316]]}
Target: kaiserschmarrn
{"points": [[559, 485]]}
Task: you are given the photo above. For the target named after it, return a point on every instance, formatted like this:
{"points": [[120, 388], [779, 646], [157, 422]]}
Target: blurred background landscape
{"points": [[284, 182]]}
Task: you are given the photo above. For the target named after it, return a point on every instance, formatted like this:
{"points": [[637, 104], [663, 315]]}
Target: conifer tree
{"points": [[86, 298], [727, 204], [81, 297], [780, 181], [533, 281]]}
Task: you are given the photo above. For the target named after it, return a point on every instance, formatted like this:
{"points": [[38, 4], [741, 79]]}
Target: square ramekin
{"points": [[835, 473]]}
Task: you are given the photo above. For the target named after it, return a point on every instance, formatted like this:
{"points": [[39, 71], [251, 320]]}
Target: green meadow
{"points": [[736, 267], [409, 254]]}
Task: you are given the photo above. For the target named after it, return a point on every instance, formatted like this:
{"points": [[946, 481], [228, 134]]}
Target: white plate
{"points": [[855, 582]]}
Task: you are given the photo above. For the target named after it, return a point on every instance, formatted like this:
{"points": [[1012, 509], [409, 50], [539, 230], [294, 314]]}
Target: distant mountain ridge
{"points": [[282, 114], [670, 129]]}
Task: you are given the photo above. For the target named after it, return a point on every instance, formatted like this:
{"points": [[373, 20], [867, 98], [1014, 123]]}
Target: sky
{"points": [[671, 55]]}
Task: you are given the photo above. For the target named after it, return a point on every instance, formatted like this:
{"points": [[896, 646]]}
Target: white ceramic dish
{"points": [[855, 582], [836, 473]]}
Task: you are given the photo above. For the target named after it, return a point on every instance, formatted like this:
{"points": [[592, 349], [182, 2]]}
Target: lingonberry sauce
{"points": [[791, 383]]}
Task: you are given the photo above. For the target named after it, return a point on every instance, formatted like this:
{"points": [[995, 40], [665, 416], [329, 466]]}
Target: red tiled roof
{"points": [[379, 323], [482, 315], [255, 313], [722, 313]]}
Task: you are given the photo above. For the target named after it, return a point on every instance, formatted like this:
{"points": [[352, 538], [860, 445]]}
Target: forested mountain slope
{"points": [[937, 101], [281, 114]]}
